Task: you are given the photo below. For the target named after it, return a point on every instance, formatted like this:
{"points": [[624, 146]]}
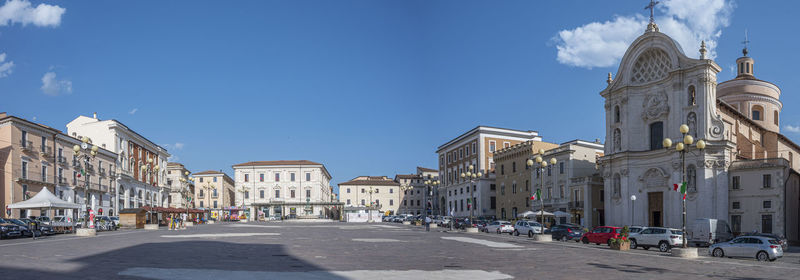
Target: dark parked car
{"points": [[566, 232], [43, 229], [8, 229], [23, 228]]}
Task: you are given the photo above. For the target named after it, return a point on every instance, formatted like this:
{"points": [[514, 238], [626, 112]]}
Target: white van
{"points": [[704, 232]]}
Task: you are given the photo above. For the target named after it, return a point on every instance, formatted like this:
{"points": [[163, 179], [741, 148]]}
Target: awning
{"points": [[536, 213], [44, 199]]}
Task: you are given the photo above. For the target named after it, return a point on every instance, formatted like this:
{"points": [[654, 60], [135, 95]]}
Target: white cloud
{"points": [[52, 86], [22, 12], [178, 146], [791, 128], [133, 111], [5, 67], [602, 44], [173, 158]]}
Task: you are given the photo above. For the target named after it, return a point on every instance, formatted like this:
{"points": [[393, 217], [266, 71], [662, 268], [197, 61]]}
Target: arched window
{"points": [[757, 112], [691, 178], [656, 135], [616, 114], [775, 117], [692, 96], [617, 185]]}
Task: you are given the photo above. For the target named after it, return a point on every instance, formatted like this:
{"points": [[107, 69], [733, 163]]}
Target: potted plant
{"points": [[622, 242]]}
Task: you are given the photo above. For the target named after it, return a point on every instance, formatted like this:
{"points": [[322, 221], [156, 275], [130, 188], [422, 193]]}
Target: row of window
{"points": [[455, 192], [514, 188], [766, 223], [374, 190], [277, 194], [549, 169], [377, 201], [215, 204], [766, 204], [277, 177], [736, 182], [459, 154], [458, 205]]}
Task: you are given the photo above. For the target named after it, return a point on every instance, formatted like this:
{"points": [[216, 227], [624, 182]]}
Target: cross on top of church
{"points": [[744, 51], [652, 7]]}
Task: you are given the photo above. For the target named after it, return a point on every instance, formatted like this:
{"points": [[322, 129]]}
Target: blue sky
{"points": [[365, 87]]}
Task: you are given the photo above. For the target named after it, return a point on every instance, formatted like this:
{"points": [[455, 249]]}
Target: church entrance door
{"points": [[655, 203]]}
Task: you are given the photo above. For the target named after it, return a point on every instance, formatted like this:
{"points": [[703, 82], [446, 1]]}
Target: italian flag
{"points": [[537, 195], [83, 173], [681, 189]]}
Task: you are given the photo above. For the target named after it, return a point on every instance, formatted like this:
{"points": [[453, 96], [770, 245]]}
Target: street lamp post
{"points": [[542, 164], [633, 207], [369, 207], [151, 169], [187, 192], [471, 200], [86, 159], [429, 184], [682, 148]]}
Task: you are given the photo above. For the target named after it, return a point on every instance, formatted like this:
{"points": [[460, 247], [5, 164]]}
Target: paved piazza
{"points": [[293, 250]]}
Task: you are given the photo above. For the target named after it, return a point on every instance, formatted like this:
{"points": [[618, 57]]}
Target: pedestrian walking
{"points": [[427, 223]]}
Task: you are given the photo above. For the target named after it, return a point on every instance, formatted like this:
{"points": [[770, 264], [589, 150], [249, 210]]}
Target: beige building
{"points": [[39, 156], [378, 191], [514, 177], [476, 148], [177, 182], [215, 190], [284, 189]]}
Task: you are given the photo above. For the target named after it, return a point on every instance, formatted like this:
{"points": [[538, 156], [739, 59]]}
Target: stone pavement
{"points": [[289, 250]]}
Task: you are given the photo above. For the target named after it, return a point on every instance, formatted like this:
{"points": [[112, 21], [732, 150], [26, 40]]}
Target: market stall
{"points": [[45, 200]]}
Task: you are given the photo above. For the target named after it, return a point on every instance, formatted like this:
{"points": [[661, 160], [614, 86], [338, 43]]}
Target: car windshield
{"points": [[678, 232], [44, 219], [17, 222]]}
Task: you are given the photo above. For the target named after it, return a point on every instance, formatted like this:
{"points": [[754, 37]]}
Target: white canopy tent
{"points": [[44, 200], [536, 213], [562, 214]]}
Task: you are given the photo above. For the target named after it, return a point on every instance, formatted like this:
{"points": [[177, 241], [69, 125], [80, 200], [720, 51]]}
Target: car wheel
{"points": [[633, 244], [762, 256], [516, 233], [663, 246], [585, 240], [609, 243], [718, 253]]}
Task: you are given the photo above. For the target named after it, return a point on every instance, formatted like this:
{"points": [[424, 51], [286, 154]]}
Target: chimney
{"points": [[94, 115]]}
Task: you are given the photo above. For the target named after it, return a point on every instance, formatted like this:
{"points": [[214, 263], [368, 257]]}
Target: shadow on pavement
{"points": [[209, 255]]}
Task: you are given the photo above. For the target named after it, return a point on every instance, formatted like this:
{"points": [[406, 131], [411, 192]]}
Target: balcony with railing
{"points": [[26, 145], [575, 204], [102, 172], [46, 150], [62, 160]]}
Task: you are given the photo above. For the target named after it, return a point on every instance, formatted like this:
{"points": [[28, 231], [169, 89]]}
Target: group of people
{"points": [[176, 221]]}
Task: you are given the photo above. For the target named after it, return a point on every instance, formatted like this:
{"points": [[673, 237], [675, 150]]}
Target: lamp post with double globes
{"points": [[429, 185], [87, 157], [151, 169], [542, 165], [186, 191], [682, 148], [471, 200]]}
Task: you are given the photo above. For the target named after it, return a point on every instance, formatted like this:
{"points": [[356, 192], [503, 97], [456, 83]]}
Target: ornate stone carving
{"points": [[709, 163], [654, 178], [652, 65], [676, 165], [617, 140], [691, 121], [655, 106], [624, 172], [722, 163], [717, 127]]}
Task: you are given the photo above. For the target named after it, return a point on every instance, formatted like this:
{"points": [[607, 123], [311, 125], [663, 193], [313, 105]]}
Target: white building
{"points": [[176, 186], [136, 187], [476, 147], [284, 189]]}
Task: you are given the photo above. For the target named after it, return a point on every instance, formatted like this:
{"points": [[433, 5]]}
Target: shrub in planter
{"points": [[621, 243]]}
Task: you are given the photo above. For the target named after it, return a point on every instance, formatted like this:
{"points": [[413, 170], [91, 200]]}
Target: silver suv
{"points": [[663, 238], [527, 227]]}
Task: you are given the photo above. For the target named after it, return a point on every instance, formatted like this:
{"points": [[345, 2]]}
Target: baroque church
{"points": [[747, 173]]}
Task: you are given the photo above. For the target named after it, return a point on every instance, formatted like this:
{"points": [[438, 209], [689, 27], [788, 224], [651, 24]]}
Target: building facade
{"points": [[514, 177], [39, 157], [415, 195], [475, 148], [215, 190], [136, 186], [380, 192], [178, 183], [657, 89], [283, 189]]}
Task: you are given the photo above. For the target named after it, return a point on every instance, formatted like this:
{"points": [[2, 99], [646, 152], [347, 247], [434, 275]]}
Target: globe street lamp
{"points": [[471, 200], [682, 148], [633, 208], [542, 165], [87, 157], [151, 169], [429, 185], [187, 192]]}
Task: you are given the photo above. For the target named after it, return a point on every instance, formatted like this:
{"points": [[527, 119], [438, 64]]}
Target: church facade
{"points": [[747, 173]]}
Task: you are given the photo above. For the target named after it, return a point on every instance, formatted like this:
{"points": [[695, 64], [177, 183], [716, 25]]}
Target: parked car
{"points": [[104, 223], [23, 228], [8, 229], [635, 229], [43, 220], [117, 225], [601, 234], [663, 238], [566, 232], [43, 228], [527, 227], [782, 240], [386, 218], [705, 232], [761, 247], [499, 227]]}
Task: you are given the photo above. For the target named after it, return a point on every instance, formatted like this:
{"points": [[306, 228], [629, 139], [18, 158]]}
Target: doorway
{"points": [[655, 205]]}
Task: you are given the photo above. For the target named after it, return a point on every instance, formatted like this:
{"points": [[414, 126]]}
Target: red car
{"points": [[600, 235]]}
